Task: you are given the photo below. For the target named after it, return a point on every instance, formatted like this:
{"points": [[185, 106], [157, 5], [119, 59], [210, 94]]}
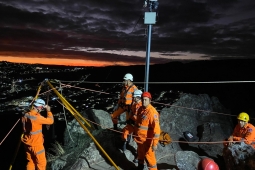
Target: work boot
{"points": [[140, 167], [128, 139], [135, 160], [123, 146]]}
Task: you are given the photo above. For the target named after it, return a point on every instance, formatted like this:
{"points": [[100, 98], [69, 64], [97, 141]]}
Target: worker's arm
{"points": [[48, 120], [250, 135], [236, 136], [155, 126]]}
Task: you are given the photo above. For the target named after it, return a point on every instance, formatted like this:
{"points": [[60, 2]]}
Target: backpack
{"points": [[164, 138]]}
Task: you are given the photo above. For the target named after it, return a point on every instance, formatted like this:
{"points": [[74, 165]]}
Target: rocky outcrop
{"points": [[194, 113], [239, 156]]}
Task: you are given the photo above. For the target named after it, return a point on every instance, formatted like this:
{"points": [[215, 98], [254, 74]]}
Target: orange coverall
{"points": [[147, 132], [245, 133], [129, 128], [124, 102], [33, 139]]}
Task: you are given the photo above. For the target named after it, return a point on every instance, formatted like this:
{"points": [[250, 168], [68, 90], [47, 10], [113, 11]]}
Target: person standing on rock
{"points": [[243, 131], [33, 137], [125, 100], [146, 133], [129, 128]]}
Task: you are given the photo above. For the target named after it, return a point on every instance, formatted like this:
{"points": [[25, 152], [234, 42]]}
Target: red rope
{"points": [[9, 131]]}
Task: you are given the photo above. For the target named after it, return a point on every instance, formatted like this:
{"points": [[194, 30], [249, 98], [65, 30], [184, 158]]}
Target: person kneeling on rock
{"points": [[243, 131]]}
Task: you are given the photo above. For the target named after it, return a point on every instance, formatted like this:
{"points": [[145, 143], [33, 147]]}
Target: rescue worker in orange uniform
{"points": [[243, 131], [146, 133], [129, 128], [125, 100], [33, 137]]}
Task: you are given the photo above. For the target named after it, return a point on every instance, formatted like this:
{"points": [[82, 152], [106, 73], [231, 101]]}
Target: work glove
{"points": [[231, 141], [47, 108], [154, 148], [115, 107], [230, 138]]}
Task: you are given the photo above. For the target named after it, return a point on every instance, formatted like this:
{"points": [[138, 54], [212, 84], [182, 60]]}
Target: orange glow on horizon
{"points": [[54, 59]]}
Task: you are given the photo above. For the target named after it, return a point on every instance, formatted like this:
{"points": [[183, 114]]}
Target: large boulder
{"points": [[201, 116], [239, 156], [194, 113]]}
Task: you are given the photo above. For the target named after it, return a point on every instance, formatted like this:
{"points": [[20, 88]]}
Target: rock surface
{"points": [[201, 120], [239, 156]]}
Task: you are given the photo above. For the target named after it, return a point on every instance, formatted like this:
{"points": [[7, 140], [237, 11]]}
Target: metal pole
{"points": [[147, 58]]}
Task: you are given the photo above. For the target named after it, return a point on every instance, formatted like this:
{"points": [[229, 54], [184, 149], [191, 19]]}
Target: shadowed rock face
{"points": [[239, 156], [193, 113]]}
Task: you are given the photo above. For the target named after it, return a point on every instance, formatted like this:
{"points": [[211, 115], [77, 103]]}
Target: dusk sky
{"points": [[112, 32]]}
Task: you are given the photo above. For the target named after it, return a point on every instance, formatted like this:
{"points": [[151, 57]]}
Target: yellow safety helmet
{"points": [[243, 116]]}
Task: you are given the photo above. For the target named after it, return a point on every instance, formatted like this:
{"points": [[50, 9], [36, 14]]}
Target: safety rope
{"points": [[67, 85], [201, 82], [47, 102], [155, 102], [214, 142], [194, 109], [65, 114], [19, 119], [9, 131]]}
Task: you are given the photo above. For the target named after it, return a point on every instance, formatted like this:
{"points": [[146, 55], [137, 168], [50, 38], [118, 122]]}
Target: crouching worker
{"points": [[129, 128], [33, 137], [243, 131], [146, 133]]}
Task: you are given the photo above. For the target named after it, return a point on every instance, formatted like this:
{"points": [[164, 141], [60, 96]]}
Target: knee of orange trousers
{"points": [[36, 157], [140, 152], [127, 115], [151, 159], [127, 130], [30, 165], [41, 161], [116, 113], [145, 153], [30, 158]]}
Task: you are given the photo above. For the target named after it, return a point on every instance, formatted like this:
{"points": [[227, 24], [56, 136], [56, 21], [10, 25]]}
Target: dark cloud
{"points": [[211, 28]]}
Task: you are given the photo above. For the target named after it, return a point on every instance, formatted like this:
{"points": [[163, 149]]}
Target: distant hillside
{"points": [[235, 96]]}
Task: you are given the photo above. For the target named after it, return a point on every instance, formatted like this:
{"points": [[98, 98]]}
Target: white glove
{"points": [[154, 148], [115, 107]]}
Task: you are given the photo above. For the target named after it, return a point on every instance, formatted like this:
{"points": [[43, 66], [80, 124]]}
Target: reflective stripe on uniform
{"points": [[143, 127], [156, 135], [153, 166], [41, 151], [30, 117], [36, 132]]}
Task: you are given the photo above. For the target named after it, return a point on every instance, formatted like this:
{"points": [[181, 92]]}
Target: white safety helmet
{"points": [[128, 76], [137, 93], [39, 102]]}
